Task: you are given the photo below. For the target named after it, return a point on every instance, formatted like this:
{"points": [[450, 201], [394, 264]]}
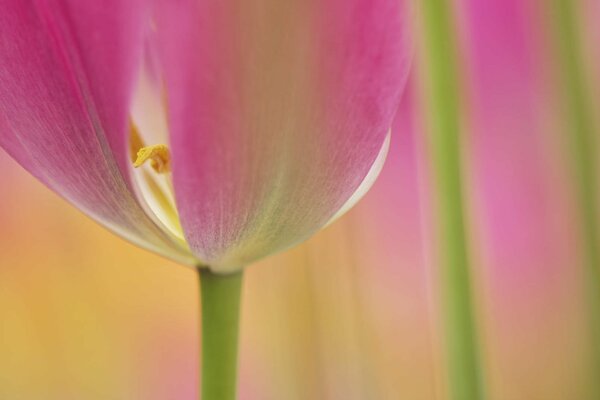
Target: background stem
{"points": [[220, 295], [581, 132], [441, 83]]}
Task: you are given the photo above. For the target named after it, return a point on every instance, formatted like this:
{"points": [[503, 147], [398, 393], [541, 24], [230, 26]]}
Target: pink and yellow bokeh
{"points": [[352, 313]]}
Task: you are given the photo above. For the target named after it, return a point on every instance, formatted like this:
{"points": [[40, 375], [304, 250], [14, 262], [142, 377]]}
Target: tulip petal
{"points": [[367, 182], [65, 81], [277, 112]]}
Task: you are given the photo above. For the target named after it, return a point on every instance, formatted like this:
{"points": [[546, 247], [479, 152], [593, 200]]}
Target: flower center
{"points": [[152, 175], [159, 156]]}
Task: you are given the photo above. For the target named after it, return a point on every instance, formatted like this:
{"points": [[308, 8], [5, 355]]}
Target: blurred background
{"points": [[354, 313]]}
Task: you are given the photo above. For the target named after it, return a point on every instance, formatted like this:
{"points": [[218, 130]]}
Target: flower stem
{"points": [[442, 95], [582, 133], [220, 296]]}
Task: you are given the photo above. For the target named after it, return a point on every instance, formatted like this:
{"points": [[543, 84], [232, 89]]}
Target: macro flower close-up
{"points": [[359, 199], [259, 153]]}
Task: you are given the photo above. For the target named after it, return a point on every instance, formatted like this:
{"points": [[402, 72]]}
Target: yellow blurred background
{"points": [[353, 313]]}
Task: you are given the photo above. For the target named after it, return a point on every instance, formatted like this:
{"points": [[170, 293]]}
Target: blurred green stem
{"points": [[582, 134], [220, 296], [441, 80]]}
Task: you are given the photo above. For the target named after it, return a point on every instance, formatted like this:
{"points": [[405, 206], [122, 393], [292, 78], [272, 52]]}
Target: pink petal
{"points": [[278, 110], [65, 80]]}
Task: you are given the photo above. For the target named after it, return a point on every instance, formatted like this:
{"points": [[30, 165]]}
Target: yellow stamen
{"points": [[159, 156], [135, 143]]}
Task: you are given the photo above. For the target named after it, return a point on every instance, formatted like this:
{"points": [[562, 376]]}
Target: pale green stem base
{"points": [[220, 295]]}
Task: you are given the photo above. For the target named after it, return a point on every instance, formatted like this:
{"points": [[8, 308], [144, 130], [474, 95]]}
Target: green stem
{"points": [[582, 134], [220, 295], [441, 80]]}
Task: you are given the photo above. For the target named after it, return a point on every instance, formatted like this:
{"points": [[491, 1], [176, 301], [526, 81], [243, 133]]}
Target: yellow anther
{"points": [[159, 156]]}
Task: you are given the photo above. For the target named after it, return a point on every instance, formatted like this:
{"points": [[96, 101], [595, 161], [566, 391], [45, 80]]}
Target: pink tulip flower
{"points": [[252, 124]]}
